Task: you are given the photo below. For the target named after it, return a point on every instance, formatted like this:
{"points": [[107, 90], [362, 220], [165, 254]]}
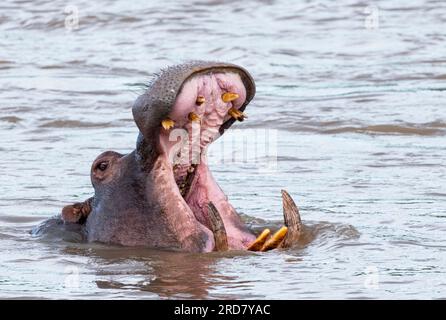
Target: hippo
{"points": [[162, 195]]}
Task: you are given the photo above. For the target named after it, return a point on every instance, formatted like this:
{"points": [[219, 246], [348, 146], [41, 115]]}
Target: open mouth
{"points": [[207, 104], [184, 183], [163, 195]]}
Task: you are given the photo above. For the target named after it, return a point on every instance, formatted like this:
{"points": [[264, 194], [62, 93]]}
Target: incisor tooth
{"points": [[260, 241], [237, 114], [233, 112], [193, 117], [167, 123], [229, 96], [275, 240], [200, 100]]}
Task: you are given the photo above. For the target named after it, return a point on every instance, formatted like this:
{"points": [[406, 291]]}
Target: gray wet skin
{"points": [[134, 202]]}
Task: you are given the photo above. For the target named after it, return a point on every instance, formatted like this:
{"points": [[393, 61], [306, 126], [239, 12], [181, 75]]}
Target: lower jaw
{"points": [[204, 190], [198, 194]]}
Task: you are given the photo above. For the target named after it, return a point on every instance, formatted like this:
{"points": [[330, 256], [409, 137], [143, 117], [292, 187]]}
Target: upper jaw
{"points": [[206, 103], [159, 99]]}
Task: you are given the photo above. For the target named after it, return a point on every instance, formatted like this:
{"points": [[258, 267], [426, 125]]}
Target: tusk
{"points": [[218, 228], [77, 212], [229, 96], [275, 241], [292, 220], [167, 123]]}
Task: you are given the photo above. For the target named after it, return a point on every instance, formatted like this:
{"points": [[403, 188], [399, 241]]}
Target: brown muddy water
{"points": [[351, 97]]}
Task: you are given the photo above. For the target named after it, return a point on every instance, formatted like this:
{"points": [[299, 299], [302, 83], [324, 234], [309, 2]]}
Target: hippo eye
{"points": [[102, 166]]}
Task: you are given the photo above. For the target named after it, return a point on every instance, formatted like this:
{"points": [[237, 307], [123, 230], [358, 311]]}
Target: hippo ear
{"points": [[151, 108], [77, 212]]}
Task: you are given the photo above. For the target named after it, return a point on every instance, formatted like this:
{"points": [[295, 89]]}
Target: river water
{"points": [[350, 95]]}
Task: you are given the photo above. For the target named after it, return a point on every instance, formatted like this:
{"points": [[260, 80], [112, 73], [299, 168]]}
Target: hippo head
{"points": [[159, 194], [162, 195]]}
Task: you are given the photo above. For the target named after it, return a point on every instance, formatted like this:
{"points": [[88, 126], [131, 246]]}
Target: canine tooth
{"points": [[218, 228], [229, 96], [200, 100], [167, 123], [292, 220], [193, 116]]}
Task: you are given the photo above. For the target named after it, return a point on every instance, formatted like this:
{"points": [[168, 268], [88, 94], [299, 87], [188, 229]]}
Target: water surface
{"points": [[357, 108]]}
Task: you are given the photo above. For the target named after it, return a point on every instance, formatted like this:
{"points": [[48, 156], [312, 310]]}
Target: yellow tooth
{"points": [[237, 114], [229, 96], [275, 240], [167, 123], [200, 100], [233, 112], [260, 241], [193, 117]]}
